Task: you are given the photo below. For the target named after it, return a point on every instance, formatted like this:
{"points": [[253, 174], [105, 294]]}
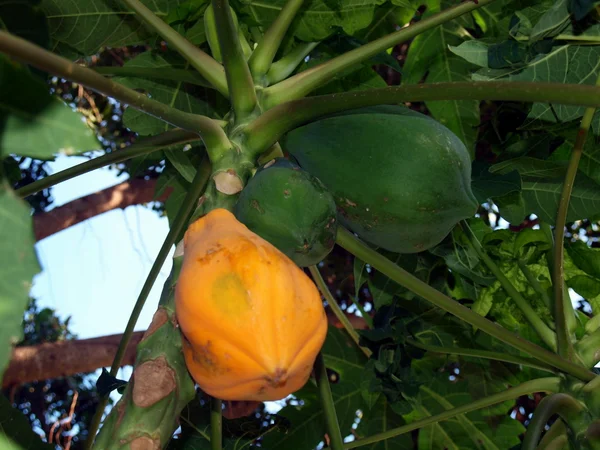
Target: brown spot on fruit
{"points": [[144, 443], [158, 320], [286, 193], [254, 204], [152, 381]]}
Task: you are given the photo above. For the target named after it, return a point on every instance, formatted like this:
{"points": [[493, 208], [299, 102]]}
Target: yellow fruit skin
{"points": [[253, 322]]}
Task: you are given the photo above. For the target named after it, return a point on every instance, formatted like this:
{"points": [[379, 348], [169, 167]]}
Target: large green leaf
{"points": [[83, 27], [172, 93], [33, 122], [379, 419], [429, 54], [23, 18], [15, 426], [18, 265]]}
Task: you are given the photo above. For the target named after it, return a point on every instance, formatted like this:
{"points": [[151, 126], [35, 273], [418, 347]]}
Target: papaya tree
{"points": [[282, 143]]}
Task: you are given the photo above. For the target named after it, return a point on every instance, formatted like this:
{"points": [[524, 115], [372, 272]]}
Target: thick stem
{"points": [[535, 284], [331, 421], [305, 82], [561, 309], [216, 424], [352, 244], [284, 67], [36, 56], [203, 63], [182, 75], [557, 432], [497, 356], [179, 225], [271, 125], [543, 331], [320, 282], [142, 147], [239, 79], [562, 404], [264, 53], [539, 385]]}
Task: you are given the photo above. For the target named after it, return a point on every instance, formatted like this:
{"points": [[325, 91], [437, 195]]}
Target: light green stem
{"points": [[535, 284], [551, 384], [271, 125], [199, 60], [36, 56], [556, 432], [561, 309], [182, 75], [305, 82], [320, 282], [142, 147], [331, 421], [216, 424], [239, 79], [284, 67], [543, 331], [352, 244], [264, 53], [497, 356]]}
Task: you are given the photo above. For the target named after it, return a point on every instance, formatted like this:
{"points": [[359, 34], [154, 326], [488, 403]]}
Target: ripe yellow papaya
{"points": [[252, 321]]}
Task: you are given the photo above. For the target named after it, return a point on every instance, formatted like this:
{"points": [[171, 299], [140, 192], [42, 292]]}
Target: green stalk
{"points": [[543, 331], [203, 63], [561, 309], [365, 315], [305, 82], [142, 147], [497, 356], [264, 53], [181, 75], [216, 424], [265, 130], [331, 421], [534, 283], [551, 384], [179, 225], [352, 244], [562, 404], [36, 56], [556, 432], [284, 67], [320, 282], [239, 79]]}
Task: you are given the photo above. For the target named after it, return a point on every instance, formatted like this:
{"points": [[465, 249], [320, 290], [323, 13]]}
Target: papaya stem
{"points": [[352, 244], [241, 86], [534, 283], [331, 421], [476, 353], [551, 384], [561, 309], [142, 147], [307, 81], [174, 234], [264, 53], [284, 67], [182, 75], [199, 60], [320, 282], [562, 404], [216, 424], [36, 56], [543, 331], [268, 128]]}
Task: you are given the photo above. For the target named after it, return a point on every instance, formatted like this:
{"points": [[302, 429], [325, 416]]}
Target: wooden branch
{"points": [[135, 191]]}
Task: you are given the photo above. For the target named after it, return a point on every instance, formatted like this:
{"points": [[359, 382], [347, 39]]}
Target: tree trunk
{"points": [[135, 191]]}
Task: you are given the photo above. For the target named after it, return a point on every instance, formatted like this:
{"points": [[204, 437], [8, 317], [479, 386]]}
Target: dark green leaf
{"points": [[585, 257], [24, 19], [486, 185], [530, 167], [14, 426]]}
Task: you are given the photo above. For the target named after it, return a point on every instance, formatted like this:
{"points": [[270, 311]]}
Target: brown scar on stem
{"points": [[158, 320], [152, 381], [144, 443]]}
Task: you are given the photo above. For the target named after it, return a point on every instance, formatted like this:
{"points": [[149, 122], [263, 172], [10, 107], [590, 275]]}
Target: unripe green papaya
{"points": [[400, 179], [291, 209]]}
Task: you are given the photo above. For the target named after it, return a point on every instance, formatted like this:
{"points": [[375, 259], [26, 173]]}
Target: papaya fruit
{"points": [[291, 209], [400, 179], [252, 321]]}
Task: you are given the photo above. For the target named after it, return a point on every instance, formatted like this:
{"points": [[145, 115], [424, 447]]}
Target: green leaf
{"points": [[182, 164], [580, 8], [24, 19], [475, 52], [382, 418], [512, 207], [18, 265], [531, 167], [552, 22], [486, 185], [82, 28], [171, 93], [429, 54], [35, 123], [15, 428], [585, 257]]}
